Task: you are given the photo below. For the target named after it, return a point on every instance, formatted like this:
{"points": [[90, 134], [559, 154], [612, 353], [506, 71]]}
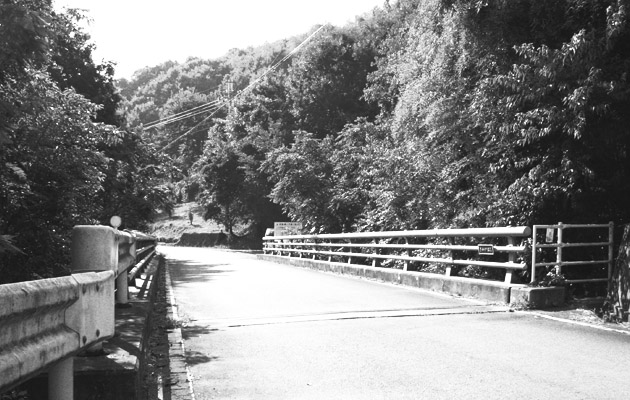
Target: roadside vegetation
{"points": [[66, 155], [420, 114]]}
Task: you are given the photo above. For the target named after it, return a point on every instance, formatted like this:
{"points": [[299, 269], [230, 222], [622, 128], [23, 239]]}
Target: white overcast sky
{"points": [[139, 33]]}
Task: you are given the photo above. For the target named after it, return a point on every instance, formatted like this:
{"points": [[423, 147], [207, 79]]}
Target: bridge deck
{"points": [[255, 329]]}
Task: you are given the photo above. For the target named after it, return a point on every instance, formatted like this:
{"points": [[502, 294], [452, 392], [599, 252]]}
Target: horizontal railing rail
{"points": [[44, 323], [328, 246]]}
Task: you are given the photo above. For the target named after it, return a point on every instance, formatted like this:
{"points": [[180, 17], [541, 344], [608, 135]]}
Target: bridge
{"points": [[255, 329], [317, 317]]}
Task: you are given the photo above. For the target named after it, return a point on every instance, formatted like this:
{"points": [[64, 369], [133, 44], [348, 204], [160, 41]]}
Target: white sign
{"points": [[549, 235], [485, 249], [287, 228]]}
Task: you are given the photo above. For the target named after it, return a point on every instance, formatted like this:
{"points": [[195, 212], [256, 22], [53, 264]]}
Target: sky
{"points": [[139, 33]]}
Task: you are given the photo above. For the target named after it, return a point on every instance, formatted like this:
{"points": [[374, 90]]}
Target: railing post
{"points": [[300, 248], [350, 251], [375, 261], [559, 250], [61, 380], [533, 277], [449, 267], [330, 249], [511, 258], [406, 262]]}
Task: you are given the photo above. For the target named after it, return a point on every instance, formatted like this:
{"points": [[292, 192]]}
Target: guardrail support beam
{"points": [[61, 380], [122, 289]]}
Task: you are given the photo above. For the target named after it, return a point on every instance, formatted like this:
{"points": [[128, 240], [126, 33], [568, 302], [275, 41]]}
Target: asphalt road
{"points": [[259, 330]]}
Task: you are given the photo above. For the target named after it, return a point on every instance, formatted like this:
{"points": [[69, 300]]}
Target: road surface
{"points": [[259, 330]]}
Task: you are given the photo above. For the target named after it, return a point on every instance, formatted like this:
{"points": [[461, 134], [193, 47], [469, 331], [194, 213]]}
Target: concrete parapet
{"points": [[496, 292], [537, 297], [491, 291]]}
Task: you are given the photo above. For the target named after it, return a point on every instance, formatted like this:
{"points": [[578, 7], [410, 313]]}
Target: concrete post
{"points": [[94, 248], [61, 380]]}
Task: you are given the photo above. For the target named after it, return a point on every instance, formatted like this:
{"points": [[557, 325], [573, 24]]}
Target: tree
{"points": [[56, 159], [326, 83], [223, 181], [72, 66], [52, 169], [303, 176]]}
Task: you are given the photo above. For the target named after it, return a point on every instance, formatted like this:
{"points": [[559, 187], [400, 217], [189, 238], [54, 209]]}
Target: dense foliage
{"points": [[423, 114], [63, 158]]}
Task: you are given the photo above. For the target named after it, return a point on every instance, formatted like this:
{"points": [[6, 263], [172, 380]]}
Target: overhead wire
{"points": [[181, 115]]}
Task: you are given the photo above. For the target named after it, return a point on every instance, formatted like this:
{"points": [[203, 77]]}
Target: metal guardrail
{"points": [[343, 245], [44, 323], [557, 232]]}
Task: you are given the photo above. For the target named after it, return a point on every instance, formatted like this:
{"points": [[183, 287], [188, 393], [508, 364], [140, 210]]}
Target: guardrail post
{"points": [[94, 248], [406, 262], [61, 380], [122, 289]]}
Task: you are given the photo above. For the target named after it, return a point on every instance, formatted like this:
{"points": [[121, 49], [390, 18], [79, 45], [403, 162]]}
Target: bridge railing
{"points": [[44, 323], [601, 237], [482, 247]]}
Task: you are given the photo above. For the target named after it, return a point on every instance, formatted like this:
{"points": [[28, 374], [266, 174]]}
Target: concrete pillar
{"points": [[61, 380]]}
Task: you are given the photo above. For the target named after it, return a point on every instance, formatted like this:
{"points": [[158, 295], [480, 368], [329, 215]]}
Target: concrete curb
{"points": [[179, 383], [490, 291]]}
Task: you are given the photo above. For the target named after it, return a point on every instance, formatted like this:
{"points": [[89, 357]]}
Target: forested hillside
{"points": [[423, 114]]}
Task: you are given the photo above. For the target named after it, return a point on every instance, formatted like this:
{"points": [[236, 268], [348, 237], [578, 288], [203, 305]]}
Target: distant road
{"points": [[258, 330]]}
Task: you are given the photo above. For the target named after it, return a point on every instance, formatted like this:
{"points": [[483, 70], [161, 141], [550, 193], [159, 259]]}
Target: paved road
{"points": [[258, 330]]}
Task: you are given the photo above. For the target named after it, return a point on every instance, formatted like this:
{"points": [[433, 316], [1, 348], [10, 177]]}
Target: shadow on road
{"points": [[196, 358], [191, 271]]}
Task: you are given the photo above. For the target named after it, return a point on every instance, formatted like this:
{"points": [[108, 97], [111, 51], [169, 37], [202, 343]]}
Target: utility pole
{"points": [[229, 88]]}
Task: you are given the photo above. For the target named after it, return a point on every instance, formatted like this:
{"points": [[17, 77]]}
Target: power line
{"points": [[188, 132], [181, 115]]}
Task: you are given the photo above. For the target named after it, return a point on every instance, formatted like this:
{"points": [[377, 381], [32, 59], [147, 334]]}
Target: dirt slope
{"points": [[170, 229], [177, 229]]}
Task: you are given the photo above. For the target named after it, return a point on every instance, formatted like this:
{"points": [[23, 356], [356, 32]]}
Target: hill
{"points": [[178, 229]]}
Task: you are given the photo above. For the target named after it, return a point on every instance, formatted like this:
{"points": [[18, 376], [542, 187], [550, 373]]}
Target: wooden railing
{"points": [[44, 323], [483, 246]]}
